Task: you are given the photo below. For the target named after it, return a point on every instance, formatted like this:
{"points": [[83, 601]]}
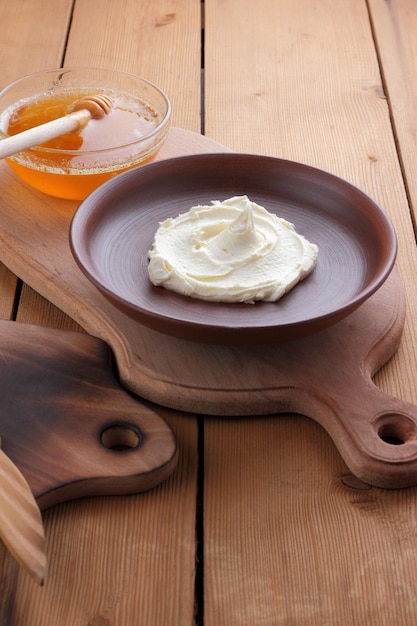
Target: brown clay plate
{"points": [[113, 229]]}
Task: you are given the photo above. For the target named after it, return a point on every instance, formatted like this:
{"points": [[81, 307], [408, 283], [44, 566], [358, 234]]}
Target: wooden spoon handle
{"points": [[44, 132], [21, 527]]}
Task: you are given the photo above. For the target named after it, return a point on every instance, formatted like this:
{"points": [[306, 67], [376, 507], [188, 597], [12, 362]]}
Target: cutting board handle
{"points": [[376, 433], [68, 425]]}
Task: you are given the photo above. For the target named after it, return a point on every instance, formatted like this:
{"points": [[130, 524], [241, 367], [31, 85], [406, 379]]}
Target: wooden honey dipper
{"points": [[91, 107], [21, 527]]}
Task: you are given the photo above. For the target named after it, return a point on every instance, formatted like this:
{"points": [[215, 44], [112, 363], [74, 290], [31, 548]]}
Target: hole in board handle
{"points": [[396, 429], [121, 437]]}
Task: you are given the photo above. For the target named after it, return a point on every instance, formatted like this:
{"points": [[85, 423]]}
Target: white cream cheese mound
{"points": [[231, 251]]}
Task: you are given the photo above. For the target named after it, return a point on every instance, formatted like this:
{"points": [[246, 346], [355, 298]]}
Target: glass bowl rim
{"points": [[45, 150]]}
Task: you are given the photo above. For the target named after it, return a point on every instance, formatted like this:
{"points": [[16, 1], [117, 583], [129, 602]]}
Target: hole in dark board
{"points": [[120, 437]]}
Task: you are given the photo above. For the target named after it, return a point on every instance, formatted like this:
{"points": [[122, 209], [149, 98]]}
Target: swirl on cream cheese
{"points": [[230, 251]]}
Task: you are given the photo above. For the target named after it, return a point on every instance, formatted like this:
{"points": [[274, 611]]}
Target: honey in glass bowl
{"points": [[74, 164]]}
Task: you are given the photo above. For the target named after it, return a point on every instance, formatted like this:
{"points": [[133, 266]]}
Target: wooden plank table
{"points": [[261, 523]]}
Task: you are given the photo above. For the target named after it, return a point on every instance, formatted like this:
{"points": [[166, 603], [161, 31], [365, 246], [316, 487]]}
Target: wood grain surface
{"points": [[92, 577], [288, 536], [287, 539]]}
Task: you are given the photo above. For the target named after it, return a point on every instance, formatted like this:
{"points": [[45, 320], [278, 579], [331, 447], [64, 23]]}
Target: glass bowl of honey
{"points": [[73, 165]]}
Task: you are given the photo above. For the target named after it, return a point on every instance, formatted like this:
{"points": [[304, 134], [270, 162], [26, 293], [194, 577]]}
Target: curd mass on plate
{"points": [[230, 251]]}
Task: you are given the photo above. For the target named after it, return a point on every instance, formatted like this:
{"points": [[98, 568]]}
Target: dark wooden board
{"points": [[68, 425]]}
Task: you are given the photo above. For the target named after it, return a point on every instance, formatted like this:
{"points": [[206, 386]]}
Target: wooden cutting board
{"points": [[66, 423], [327, 377]]}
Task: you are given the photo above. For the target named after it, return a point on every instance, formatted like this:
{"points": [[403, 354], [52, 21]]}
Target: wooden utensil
{"points": [[21, 527], [90, 107]]}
